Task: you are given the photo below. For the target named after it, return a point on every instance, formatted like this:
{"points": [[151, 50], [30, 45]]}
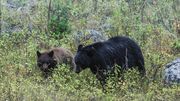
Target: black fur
{"points": [[102, 56]]}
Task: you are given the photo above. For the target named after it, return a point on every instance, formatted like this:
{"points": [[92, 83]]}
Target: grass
{"points": [[20, 78]]}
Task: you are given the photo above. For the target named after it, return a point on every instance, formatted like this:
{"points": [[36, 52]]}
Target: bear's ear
{"points": [[91, 51], [51, 53], [80, 47], [38, 54]]}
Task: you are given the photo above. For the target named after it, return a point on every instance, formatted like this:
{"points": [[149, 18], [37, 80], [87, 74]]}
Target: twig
{"points": [[49, 9], [142, 10]]}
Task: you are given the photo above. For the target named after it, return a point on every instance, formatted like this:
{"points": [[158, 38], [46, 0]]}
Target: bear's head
{"points": [[83, 58], [45, 61]]}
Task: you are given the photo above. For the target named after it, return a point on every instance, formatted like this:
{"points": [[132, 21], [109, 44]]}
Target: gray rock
{"points": [[94, 35], [19, 12], [172, 72]]}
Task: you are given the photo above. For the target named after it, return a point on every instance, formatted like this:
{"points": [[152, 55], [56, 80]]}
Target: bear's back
{"points": [[61, 54], [121, 39], [125, 42], [112, 46], [116, 48]]}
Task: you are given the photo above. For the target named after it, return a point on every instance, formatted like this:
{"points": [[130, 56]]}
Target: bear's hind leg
{"points": [[141, 69]]}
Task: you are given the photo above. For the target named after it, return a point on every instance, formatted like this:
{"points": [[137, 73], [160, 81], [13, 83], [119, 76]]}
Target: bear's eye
{"points": [[39, 64], [79, 64], [48, 63]]}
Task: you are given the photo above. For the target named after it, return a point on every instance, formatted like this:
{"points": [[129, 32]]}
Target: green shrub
{"points": [[20, 79], [59, 21], [176, 46]]}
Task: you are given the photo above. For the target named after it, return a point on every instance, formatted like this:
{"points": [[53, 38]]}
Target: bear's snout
{"points": [[77, 69], [44, 67]]}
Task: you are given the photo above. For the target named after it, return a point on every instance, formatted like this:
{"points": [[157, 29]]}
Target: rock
{"points": [[19, 12], [94, 35], [172, 72]]}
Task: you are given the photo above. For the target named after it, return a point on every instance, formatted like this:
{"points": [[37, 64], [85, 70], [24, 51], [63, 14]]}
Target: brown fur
{"points": [[62, 55], [58, 55]]}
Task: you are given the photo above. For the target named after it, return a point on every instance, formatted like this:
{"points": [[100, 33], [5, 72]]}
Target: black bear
{"points": [[101, 57], [48, 60]]}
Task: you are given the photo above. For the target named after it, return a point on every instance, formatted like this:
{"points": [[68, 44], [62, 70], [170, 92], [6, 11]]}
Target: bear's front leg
{"points": [[102, 78]]}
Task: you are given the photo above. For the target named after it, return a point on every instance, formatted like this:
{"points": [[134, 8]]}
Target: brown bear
{"points": [[49, 59]]}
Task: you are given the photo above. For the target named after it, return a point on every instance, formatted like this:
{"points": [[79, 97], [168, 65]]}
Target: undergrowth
{"points": [[153, 24]]}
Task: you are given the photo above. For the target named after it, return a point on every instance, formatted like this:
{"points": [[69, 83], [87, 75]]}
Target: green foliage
{"points": [[176, 46], [59, 20], [149, 23]]}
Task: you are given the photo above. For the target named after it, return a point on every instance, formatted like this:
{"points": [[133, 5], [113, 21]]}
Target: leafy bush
{"points": [[151, 27], [176, 46], [59, 20]]}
